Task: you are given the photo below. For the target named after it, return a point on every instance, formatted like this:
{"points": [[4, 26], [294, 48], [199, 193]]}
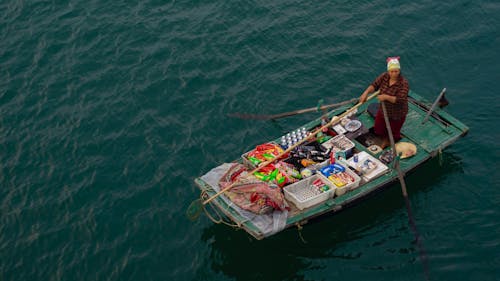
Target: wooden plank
{"points": [[429, 135]]}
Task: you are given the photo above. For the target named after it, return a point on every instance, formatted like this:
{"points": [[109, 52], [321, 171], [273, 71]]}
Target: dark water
{"points": [[110, 109]]}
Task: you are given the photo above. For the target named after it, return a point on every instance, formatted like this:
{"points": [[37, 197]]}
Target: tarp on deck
{"points": [[268, 224]]}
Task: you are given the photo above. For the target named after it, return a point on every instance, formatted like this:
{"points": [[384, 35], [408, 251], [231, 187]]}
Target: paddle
{"points": [[438, 99], [423, 256], [290, 113], [195, 207]]}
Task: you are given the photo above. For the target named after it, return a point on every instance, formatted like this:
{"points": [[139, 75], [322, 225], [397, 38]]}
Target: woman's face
{"points": [[394, 73]]}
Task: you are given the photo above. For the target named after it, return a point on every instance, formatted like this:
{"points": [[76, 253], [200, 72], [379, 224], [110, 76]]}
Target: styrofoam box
{"points": [[304, 195], [348, 187], [380, 170], [333, 141]]}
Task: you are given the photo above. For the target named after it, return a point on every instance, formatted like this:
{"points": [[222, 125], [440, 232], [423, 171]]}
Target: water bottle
{"points": [[283, 143]]}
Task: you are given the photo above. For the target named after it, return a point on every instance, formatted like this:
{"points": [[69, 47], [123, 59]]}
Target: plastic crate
{"points": [[341, 190], [304, 194], [340, 143], [248, 163], [380, 169], [348, 187]]}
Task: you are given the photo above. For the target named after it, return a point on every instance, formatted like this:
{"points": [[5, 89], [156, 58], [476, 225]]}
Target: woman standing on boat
{"points": [[394, 92]]}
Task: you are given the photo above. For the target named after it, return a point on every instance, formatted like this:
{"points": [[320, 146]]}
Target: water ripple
{"points": [[109, 110]]}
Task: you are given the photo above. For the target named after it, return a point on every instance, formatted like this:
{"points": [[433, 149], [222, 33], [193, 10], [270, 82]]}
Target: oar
{"points": [[195, 207], [291, 113], [438, 99], [423, 255]]}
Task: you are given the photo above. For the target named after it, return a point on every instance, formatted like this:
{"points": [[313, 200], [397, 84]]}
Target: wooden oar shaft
{"points": [[312, 109], [264, 164], [393, 146], [433, 106], [290, 113], [413, 225]]}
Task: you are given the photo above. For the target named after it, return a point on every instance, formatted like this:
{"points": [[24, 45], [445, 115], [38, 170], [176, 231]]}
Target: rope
{"points": [[204, 196], [440, 157], [299, 230]]}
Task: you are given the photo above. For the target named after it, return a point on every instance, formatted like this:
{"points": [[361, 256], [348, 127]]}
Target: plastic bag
{"points": [[250, 193]]}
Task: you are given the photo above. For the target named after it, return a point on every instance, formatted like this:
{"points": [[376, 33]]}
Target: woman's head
{"points": [[393, 66]]}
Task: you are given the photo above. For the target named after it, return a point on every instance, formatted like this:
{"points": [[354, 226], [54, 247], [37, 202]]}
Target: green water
{"points": [[108, 111]]}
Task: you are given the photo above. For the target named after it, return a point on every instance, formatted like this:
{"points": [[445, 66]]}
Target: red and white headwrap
{"points": [[393, 63]]}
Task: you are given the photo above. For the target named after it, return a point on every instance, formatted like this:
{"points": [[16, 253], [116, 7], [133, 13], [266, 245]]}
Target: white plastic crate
{"points": [[340, 190], [380, 169], [348, 187], [304, 194]]}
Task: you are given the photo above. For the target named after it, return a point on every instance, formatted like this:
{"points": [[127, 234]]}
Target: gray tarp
{"points": [[268, 224]]}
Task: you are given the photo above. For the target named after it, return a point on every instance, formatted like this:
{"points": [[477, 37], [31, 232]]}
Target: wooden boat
{"points": [[439, 130]]}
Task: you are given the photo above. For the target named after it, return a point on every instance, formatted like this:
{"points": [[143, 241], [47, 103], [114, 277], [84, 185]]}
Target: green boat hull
{"points": [[430, 138]]}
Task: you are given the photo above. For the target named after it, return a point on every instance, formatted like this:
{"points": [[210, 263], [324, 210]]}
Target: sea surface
{"points": [[110, 109]]}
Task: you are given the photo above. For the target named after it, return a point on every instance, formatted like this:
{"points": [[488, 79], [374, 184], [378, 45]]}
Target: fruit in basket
{"points": [[318, 183], [254, 160], [306, 162], [324, 188], [346, 177], [264, 152], [268, 156], [337, 180], [306, 172]]}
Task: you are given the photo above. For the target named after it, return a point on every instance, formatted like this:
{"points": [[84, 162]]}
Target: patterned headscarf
{"points": [[393, 63]]}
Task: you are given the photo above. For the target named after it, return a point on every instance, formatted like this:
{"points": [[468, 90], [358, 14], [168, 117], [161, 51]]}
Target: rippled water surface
{"points": [[110, 109]]}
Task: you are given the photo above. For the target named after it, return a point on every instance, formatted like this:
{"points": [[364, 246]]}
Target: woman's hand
{"points": [[363, 97]]}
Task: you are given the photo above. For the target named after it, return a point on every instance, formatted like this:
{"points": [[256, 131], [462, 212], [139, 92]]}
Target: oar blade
{"points": [[250, 116], [194, 210]]}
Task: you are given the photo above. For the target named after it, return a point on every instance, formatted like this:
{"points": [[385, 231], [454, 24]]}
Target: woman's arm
{"points": [[364, 95], [391, 99]]}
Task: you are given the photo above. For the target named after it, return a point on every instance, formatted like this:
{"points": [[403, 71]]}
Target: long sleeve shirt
{"points": [[400, 89]]}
